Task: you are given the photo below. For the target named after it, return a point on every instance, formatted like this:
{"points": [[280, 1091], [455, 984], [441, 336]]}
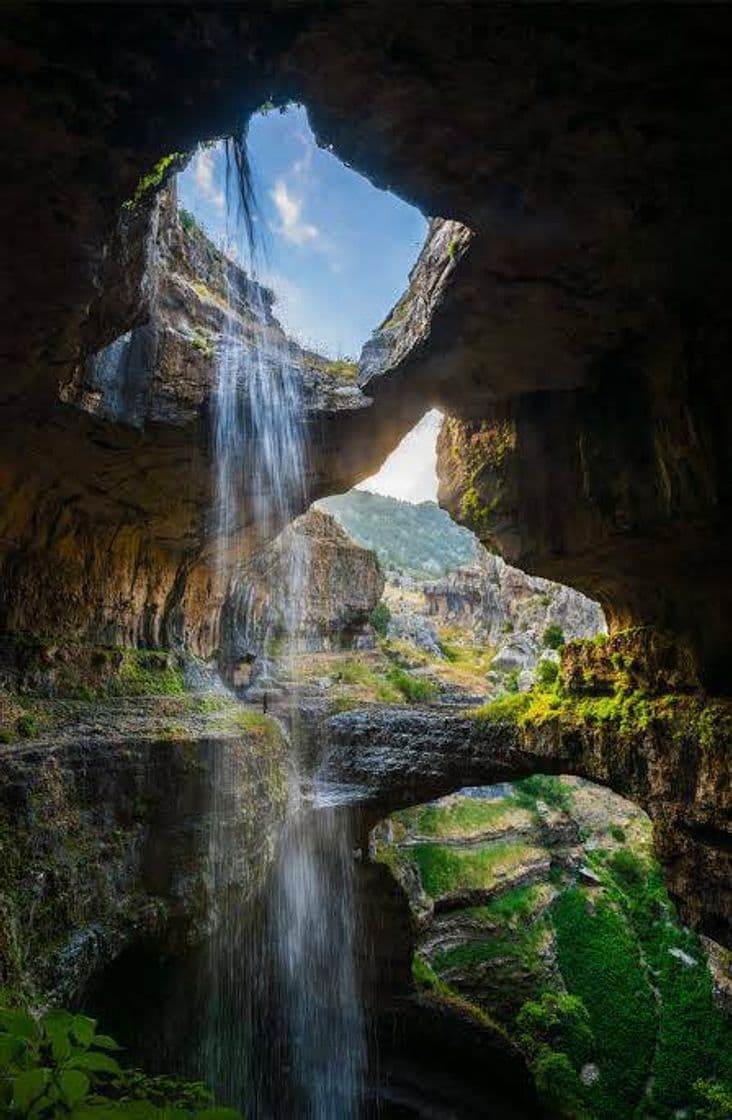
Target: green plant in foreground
{"points": [[58, 1065], [50, 1065]]}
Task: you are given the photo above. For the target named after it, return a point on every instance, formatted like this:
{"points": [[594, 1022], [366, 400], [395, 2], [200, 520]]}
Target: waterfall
{"points": [[284, 1032]]}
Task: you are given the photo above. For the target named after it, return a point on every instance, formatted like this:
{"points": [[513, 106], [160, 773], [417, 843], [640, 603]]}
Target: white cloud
{"points": [[289, 208], [203, 174], [410, 472]]}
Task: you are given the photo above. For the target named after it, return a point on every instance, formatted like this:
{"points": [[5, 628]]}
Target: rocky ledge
{"points": [[666, 751], [128, 823]]}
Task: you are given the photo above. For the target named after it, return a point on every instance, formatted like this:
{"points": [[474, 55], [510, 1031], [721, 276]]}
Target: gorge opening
{"points": [[252, 749]]}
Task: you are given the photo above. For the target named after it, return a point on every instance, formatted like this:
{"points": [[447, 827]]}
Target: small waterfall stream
{"points": [[284, 1031]]}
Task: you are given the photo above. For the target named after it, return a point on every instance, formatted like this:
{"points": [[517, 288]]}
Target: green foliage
{"points": [[414, 689], [443, 870], [715, 1100], [600, 962], [27, 726], [544, 787], [557, 1020], [420, 540], [558, 1084], [58, 1065], [553, 636], [627, 867], [49, 1066], [617, 832], [506, 709], [511, 680], [547, 672], [188, 222], [380, 618], [152, 182]]}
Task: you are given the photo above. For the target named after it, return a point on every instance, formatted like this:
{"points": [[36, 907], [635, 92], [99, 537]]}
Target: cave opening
{"points": [[150, 803]]}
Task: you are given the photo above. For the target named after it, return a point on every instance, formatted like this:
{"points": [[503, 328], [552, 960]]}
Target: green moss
{"points": [[152, 182], [600, 962], [460, 817], [444, 870]]}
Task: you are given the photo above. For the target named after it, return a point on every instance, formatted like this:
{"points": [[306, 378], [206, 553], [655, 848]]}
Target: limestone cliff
{"points": [[125, 824], [649, 736], [312, 584]]}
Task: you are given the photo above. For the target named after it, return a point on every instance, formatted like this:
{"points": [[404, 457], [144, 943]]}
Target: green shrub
{"points": [[628, 867], [617, 832], [559, 1084], [715, 1100], [380, 618], [557, 1020], [27, 726], [57, 1065], [553, 636], [413, 689], [547, 672]]}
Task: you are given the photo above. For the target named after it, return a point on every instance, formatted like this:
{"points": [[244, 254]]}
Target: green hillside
{"points": [[420, 540]]}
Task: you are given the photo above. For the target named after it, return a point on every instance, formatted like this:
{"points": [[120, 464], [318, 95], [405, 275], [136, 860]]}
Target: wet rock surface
{"points": [[113, 826]]}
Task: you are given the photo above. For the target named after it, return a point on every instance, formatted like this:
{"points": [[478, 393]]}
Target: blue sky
{"points": [[335, 249]]}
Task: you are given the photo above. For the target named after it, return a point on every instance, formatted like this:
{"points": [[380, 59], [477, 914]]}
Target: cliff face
{"points": [[513, 611], [129, 826], [312, 583], [587, 313], [116, 548], [541, 904], [648, 737]]}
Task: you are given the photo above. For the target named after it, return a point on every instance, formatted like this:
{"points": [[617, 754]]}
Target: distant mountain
{"points": [[420, 540]]}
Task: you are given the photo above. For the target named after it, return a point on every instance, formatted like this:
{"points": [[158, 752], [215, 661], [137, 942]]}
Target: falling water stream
{"points": [[284, 1033]]}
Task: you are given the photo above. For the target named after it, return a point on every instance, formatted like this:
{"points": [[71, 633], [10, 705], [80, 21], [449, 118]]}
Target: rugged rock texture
{"points": [[312, 583], [128, 827], [533, 903], [588, 312], [669, 755]]}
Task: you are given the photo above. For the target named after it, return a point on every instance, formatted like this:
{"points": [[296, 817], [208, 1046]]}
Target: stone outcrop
{"points": [[668, 754], [129, 827], [587, 314], [312, 583]]}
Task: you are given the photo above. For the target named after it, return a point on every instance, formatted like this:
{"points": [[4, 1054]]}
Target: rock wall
{"points": [[312, 583], [587, 313], [129, 829], [666, 752]]}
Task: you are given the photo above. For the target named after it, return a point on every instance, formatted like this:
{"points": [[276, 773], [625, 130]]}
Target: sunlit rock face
{"points": [[312, 586]]}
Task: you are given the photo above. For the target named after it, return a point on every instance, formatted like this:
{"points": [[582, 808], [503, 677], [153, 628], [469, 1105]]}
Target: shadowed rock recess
{"points": [[569, 314]]}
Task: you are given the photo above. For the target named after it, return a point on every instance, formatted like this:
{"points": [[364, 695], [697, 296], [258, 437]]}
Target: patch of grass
{"points": [[460, 817], [508, 908], [543, 787], [600, 962], [414, 689], [345, 369], [445, 870], [506, 709]]}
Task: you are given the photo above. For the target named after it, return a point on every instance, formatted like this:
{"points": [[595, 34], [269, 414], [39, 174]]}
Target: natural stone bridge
{"points": [[405, 756]]}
